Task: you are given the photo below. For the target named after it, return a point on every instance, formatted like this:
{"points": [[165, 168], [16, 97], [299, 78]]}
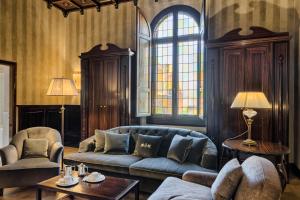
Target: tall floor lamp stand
{"points": [[62, 112]]}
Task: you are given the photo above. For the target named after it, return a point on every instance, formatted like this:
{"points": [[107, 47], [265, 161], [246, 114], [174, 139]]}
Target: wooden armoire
{"points": [[105, 88], [255, 62]]}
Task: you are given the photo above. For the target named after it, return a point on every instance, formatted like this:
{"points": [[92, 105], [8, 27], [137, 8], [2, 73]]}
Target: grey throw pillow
{"points": [[227, 181], [35, 148], [180, 148], [147, 146], [116, 142], [196, 152], [100, 140]]}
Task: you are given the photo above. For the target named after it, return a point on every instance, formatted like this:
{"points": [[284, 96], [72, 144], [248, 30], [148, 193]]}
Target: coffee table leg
{"points": [[137, 191], [39, 194]]}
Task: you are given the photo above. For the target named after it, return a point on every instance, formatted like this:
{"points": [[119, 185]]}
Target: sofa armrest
{"points": [[210, 157], [87, 145], [56, 151], [9, 154], [202, 178]]}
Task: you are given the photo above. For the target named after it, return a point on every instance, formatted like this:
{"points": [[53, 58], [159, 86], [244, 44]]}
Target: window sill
{"points": [[201, 129]]}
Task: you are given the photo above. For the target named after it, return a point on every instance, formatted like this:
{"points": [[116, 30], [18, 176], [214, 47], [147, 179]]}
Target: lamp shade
{"points": [[251, 100], [62, 87]]}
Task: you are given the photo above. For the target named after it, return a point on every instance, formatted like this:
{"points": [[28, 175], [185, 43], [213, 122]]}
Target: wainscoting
{"points": [[49, 115]]}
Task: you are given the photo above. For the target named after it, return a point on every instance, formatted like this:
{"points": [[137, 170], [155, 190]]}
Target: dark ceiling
{"points": [[67, 6]]}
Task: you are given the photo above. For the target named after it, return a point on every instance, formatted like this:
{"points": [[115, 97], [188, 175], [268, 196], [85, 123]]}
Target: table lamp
{"points": [[62, 87], [248, 101]]}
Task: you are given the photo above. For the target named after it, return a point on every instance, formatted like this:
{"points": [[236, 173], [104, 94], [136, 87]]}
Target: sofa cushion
{"points": [[160, 168], [147, 146], [177, 189], [260, 180], [180, 148], [195, 155], [106, 162], [116, 142], [87, 145], [100, 140], [227, 180], [35, 148]]}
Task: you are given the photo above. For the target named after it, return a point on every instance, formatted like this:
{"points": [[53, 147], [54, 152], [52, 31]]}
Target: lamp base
{"points": [[249, 142]]}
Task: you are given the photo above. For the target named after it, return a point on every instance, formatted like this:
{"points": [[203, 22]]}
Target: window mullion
{"points": [[175, 64]]}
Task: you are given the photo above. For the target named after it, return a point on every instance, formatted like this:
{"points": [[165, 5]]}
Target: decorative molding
{"points": [[67, 6]]}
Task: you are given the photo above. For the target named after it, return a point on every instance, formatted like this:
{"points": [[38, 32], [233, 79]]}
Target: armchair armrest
{"points": [[202, 178], [9, 154], [56, 151], [87, 145]]}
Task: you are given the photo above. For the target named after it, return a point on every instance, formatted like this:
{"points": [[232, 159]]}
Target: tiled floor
{"points": [[292, 191]]}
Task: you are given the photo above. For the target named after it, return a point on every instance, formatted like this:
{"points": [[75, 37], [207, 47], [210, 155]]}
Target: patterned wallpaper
{"points": [[34, 37]]}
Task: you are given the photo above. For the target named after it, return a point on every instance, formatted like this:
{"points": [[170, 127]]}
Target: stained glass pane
{"points": [[188, 76], [164, 27], [164, 76], [186, 24]]}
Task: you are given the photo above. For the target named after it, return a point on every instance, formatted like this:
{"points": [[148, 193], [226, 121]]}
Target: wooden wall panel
{"points": [[277, 16]]}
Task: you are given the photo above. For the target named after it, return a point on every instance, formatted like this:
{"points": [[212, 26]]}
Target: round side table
{"points": [[262, 148]]}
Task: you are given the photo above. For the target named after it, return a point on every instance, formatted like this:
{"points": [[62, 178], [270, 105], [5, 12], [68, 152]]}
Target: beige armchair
{"points": [[17, 171], [260, 180]]}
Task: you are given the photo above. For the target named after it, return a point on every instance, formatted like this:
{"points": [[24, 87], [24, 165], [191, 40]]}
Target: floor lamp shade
{"points": [[62, 87]]}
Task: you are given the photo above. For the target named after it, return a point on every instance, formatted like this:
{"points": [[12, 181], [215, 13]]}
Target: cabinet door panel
{"points": [[259, 77], [232, 81], [111, 110], [95, 84]]}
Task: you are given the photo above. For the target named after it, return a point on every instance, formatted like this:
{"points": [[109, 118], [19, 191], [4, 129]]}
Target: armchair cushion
{"points": [[35, 148], [177, 189], [56, 151], [227, 181], [9, 154], [30, 163], [26, 172], [202, 178]]}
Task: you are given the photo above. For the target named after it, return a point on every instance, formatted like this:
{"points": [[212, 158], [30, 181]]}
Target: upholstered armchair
{"points": [[19, 170], [259, 180]]}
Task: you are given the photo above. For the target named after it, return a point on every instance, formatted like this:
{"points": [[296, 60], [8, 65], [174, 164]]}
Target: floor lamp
{"points": [[62, 87]]}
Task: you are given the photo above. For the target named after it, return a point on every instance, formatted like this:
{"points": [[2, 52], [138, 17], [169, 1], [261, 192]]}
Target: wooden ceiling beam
{"points": [[96, 3], [79, 6]]}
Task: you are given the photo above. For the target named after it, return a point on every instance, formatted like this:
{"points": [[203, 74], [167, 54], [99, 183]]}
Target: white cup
{"points": [[68, 179]]}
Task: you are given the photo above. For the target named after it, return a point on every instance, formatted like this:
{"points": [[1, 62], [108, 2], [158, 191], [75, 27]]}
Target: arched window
{"points": [[177, 75]]}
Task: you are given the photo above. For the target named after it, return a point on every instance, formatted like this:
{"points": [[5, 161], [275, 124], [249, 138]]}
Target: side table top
{"points": [[262, 147]]}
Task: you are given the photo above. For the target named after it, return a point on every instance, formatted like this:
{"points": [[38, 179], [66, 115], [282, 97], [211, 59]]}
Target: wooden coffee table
{"points": [[112, 188]]}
